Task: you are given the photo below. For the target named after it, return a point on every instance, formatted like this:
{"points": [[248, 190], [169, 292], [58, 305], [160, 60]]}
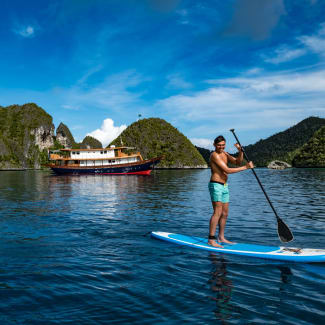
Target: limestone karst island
{"points": [[28, 135]]}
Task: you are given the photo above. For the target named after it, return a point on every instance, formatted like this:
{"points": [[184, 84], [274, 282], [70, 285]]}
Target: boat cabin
{"points": [[95, 157]]}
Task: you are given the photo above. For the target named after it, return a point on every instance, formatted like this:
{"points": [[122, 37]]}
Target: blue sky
{"points": [[204, 66]]}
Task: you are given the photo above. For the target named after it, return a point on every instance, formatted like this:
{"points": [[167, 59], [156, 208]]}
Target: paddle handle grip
{"points": [[258, 180]]}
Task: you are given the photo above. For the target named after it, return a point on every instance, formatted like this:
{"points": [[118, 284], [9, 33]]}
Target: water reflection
{"points": [[286, 275], [115, 188], [80, 239], [264, 287], [28, 185], [221, 286]]}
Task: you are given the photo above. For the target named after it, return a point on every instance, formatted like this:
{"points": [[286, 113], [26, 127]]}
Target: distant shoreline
{"points": [[184, 167], [14, 169], [25, 169], [156, 168]]}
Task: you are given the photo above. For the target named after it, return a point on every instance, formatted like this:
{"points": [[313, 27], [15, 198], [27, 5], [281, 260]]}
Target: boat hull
{"points": [[142, 168]]}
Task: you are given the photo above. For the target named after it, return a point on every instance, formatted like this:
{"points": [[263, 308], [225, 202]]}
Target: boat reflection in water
{"points": [[111, 161]]}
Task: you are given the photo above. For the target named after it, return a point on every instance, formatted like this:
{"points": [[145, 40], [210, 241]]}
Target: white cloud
{"points": [[116, 96], [175, 81], [314, 43], [25, 31], [89, 73], [307, 43], [107, 132], [251, 103], [281, 84], [203, 143], [70, 107], [114, 93], [254, 71], [285, 54]]}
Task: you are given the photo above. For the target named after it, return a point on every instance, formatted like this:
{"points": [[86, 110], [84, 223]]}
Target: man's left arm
{"points": [[236, 161], [240, 156]]}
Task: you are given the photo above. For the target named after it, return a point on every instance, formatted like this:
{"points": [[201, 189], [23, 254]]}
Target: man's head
{"points": [[219, 143]]}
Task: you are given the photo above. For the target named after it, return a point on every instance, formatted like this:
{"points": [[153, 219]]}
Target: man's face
{"points": [[220, 146]]}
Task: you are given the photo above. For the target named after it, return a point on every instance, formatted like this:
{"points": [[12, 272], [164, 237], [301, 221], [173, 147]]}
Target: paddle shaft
{"points": [[258, 180]]}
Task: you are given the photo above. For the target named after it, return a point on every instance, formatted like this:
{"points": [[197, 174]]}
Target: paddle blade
{"points": [[284, 232]]}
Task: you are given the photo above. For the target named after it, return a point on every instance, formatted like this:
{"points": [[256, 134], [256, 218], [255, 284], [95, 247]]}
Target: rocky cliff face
{"points": [[26, 134], [64, 136], [43, 136], [25, 131], [278, 164]]}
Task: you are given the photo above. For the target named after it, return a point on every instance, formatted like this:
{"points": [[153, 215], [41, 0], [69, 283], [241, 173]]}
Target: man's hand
{"points": [[238, 147], [250, 165]]}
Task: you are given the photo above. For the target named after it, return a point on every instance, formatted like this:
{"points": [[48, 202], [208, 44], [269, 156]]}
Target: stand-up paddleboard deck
{"points": [[305, 255]]}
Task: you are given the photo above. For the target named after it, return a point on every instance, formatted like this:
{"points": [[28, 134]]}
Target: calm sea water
{"points": [[76, 250]]}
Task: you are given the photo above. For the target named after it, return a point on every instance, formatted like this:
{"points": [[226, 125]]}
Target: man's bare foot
{"points": [[224, 240], [214, 244]]}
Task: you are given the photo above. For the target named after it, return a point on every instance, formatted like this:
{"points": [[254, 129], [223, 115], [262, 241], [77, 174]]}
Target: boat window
{"points": [[105, 151], [78, 153], [101, 152], [73, 153]]}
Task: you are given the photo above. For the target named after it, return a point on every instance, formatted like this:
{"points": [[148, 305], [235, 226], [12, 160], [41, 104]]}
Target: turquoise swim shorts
{"points": [[219, 192]]}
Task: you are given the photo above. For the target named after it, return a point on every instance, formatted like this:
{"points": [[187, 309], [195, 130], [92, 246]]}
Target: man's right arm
{"points": [[223, 166]]}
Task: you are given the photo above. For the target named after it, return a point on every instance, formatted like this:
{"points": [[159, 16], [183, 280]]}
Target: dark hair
{"points": [[219, 139]]}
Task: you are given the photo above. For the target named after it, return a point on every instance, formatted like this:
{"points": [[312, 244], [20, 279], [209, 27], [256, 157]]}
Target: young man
{"points": [[218, 187]]}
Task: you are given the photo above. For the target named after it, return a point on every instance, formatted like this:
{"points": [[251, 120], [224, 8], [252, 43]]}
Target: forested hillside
{"points": [[205, 153], [284, 145], [155, 137], [25, 131], [26, 134], [65, 137], [90, 142], [312, 154]]}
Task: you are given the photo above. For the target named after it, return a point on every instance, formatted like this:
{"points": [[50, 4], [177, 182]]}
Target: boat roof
{"points": [[100, 149]]}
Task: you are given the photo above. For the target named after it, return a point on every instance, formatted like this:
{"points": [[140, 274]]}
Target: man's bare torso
{"points": [[217, 174]]}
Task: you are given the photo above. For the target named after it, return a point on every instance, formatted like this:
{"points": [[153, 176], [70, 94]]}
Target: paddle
{"points": [[284, 232]]}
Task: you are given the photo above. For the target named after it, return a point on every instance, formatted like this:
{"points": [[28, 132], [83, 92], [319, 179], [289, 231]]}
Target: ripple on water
{"points": [[77, 250]]}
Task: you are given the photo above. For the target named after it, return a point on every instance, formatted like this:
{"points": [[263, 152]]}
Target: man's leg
{"points": [[217, 212], [222, 223]]}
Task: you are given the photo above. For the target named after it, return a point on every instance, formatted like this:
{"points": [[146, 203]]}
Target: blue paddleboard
{"points": [[291, 254]]}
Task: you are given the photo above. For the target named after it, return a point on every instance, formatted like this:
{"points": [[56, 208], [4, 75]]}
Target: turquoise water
{"points": [[76, 250]]}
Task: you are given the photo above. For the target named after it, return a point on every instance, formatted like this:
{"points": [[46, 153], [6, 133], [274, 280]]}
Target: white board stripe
{"points": [[280, 252]]}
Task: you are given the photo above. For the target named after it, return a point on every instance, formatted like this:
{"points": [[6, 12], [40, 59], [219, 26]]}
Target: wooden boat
{"points": [[111, 161]]}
